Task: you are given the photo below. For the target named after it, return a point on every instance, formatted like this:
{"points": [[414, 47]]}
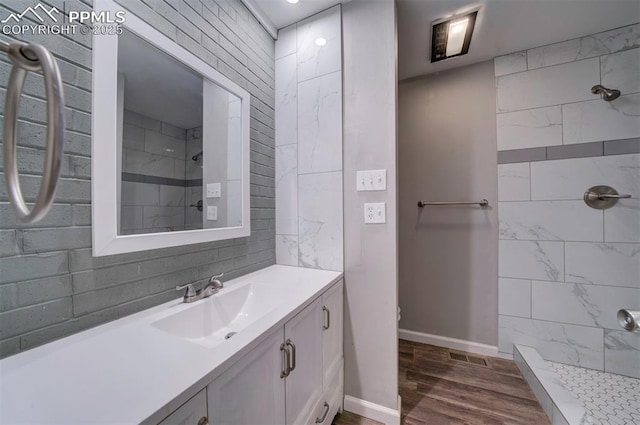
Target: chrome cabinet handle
{"points": [[324, 414], [286, 360], [293, 355], [328, 315], [33, 57], [203, 421]]}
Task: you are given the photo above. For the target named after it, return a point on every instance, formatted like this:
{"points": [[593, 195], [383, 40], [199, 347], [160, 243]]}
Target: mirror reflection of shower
{"points": [[198, 158]]}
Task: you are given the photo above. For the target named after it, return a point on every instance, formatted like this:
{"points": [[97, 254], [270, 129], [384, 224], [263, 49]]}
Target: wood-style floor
{"points": [[439, 391]]}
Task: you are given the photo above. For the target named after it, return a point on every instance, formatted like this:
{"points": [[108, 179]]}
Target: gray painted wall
{"points": [[448, 255], [50, 286], [371, 269]]}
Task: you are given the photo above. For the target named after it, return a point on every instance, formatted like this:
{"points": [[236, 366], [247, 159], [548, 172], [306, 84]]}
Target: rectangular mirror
{"points": [[170, 163]]}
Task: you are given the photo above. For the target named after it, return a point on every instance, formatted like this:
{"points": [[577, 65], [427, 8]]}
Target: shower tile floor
{"points": [[609, 399]]}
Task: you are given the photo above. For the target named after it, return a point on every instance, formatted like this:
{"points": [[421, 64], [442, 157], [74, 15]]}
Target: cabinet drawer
{"points": [[331, 400], [189, 413]]}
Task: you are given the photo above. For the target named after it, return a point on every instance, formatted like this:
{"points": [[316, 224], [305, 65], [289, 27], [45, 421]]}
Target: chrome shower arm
{"points": [[606, 94]]}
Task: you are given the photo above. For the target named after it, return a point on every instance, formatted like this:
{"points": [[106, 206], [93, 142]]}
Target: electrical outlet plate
{"points": [[375, 213], [212, 213], [369, 180], [214, 190]]}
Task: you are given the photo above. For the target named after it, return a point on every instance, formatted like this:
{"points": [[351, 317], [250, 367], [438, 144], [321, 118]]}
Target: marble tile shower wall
{"points": [[157, 149], [50, 285], [565, 269], [309, 219]]}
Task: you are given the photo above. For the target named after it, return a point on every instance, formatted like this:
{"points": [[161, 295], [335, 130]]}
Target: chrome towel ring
{"points": [[33, 57]]}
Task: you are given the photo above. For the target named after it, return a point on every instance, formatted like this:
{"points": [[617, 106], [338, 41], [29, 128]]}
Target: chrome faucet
{"points": [[212, 287]]}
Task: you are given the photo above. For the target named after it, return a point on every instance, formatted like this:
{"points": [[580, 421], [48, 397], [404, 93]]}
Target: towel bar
{"points": [[482, 203]]}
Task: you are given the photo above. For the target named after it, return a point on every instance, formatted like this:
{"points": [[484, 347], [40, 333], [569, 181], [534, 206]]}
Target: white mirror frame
{"points": [[105, 158]]}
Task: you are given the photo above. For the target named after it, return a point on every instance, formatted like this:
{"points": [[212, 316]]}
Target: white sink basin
{"points": [[207, 322]]}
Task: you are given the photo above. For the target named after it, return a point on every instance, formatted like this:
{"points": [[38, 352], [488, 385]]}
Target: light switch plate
{"points": [[212, 213], [369, 180], [375, 213], [214, 190]]}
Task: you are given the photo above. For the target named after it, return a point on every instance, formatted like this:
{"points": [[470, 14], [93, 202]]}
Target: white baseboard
{"points": [[506, 356], [372, 411], [443, 341]]}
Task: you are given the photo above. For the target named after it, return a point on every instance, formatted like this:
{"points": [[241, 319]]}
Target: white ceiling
{"points": [[157, 85], [503, 26], [281, 13]]}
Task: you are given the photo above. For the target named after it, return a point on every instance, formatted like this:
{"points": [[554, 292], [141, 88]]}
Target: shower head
{"points": [[607, 94], [197, 157]]}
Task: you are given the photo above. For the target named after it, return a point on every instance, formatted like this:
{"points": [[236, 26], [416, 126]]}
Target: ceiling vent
{"points": [[452, 37]]}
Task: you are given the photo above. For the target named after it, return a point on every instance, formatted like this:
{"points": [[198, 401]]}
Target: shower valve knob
{"points": [[602, 197]]}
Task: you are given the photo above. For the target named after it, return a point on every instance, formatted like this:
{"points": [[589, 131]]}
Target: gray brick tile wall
{"points": [[37, 291], [50, 285], [25, 319], [25, 267], [60, 215], [10, 243], [34, 135]]}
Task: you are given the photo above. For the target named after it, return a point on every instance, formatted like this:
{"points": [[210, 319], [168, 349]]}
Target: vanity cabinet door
{"points": [[332, 306], [193, 412], [304, 383], [251, 392]]}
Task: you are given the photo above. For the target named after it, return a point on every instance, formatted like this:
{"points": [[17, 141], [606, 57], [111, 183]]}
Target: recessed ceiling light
{"points": [[455, 40], [320, 41], [452, 37], [293, 1]]}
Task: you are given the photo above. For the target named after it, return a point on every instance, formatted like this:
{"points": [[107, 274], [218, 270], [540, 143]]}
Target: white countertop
{"points": [[128, 371]]}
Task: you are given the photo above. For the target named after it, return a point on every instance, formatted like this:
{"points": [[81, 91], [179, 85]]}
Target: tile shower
{"points": [[564, 268], [161, 180]]}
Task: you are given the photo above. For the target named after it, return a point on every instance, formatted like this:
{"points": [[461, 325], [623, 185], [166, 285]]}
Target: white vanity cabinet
{"points": [[303, 386], [286, 379], [251, 391], [332, 324], [193, 412], [180, 367], [332, 356]]}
